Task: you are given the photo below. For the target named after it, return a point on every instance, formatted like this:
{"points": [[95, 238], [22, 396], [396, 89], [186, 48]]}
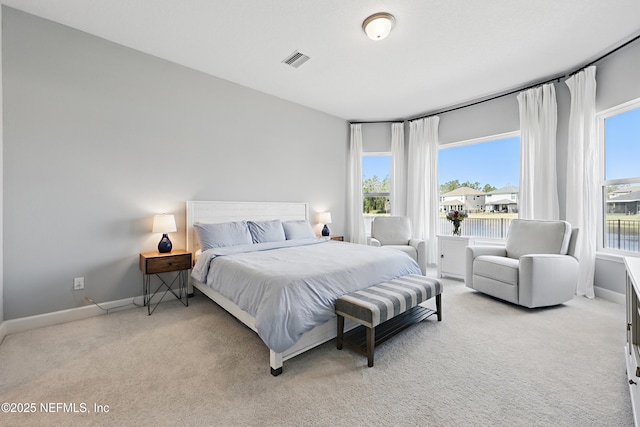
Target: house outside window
{"points": [[619, 133], [481, 178]]}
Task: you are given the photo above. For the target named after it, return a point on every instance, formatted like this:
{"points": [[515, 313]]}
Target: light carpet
{"points": [[486, 363]]}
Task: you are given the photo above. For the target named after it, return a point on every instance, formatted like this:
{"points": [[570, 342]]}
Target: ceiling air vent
{"points": [[296, 59]]}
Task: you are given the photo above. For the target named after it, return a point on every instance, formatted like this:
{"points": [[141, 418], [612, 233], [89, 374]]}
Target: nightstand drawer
{"points": [[163, 264]]}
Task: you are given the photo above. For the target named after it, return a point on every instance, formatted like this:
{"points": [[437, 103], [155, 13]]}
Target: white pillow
{"points": [[266, 231], [222, 234], [298, 230]]}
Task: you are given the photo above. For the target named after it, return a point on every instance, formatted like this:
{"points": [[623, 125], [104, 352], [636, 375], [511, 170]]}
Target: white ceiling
{"points": [[440, 53]]}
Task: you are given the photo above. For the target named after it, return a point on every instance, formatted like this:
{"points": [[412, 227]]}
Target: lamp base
{"points": [[325, 230], [165, 244]]}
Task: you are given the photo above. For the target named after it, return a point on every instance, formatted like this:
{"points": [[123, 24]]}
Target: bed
{"points": [[283, 290]]}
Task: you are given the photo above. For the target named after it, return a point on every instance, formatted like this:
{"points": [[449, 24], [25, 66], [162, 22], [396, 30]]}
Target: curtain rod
{"points": [[372, 122], [555, 79]]}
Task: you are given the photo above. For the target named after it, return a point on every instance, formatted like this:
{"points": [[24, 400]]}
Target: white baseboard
{"points": [[608, 295], [3, 331], [22, 324]]}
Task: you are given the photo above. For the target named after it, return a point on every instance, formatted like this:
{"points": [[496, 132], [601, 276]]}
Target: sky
{"points": [[623, 145], [498, 162]]}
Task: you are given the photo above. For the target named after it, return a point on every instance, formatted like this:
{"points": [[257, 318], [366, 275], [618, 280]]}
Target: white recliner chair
{"points": [[395, 232], [536, 268]]}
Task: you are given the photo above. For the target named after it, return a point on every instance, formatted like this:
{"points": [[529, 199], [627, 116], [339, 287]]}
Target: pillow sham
{"points": [[298, 229], [266, 231], [222, 234]]}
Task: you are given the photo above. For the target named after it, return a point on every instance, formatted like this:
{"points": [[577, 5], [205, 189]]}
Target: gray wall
{"points": [[488, 118], [376, 137], [99, 137]]}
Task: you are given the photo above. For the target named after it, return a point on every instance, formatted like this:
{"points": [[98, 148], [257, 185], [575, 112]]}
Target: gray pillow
{"points": [[298, 230], [222, 234], [266, 231]]}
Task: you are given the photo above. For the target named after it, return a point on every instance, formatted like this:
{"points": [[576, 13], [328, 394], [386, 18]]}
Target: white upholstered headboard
{"points": [[210, 212]]}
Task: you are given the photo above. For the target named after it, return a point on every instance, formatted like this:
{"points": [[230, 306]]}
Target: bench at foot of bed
{"points": [[390, 306]]}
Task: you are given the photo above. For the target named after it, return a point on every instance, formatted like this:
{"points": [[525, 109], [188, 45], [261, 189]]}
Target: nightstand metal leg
{"points": [[180, 293]]}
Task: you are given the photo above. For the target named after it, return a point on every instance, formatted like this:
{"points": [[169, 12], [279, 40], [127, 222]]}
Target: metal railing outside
{"points": [[618, 234], [489, 228], [622, 234]]}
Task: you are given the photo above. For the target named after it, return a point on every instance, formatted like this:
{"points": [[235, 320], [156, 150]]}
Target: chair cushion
{"points": [[391, 230], [499, 268], [527, 237]]}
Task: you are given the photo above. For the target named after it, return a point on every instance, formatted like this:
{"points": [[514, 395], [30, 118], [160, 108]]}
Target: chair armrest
{"points": [[476, 251], [416, 242], [471, 252], [374, 242], [421, 250], [547, 279]]}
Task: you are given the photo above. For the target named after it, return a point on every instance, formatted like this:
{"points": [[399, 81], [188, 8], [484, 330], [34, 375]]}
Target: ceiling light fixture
{"points": [[379, 25]]}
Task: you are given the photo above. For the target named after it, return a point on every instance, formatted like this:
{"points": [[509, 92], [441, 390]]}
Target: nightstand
{"points": [[452, 250], [156, 264], [338, 238]]}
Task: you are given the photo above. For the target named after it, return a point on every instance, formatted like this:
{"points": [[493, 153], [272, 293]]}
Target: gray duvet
{"points": [[290, 287]]}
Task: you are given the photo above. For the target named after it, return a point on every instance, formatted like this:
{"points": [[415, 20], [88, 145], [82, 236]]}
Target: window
{"points": [[376, 183], [376, 186], [480, 177], [619, 130]]}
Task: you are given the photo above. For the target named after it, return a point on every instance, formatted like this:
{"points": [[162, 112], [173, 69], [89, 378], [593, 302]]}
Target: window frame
{"points": [[601, 118]]}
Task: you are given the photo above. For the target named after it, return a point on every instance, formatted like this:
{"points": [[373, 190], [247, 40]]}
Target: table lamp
{"points": [[164, 224], [324, 218]]}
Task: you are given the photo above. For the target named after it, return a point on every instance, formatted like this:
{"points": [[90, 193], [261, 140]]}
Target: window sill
{"points": [[616, 257]]}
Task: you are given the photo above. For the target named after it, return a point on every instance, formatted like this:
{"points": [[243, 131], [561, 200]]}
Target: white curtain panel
{"points": [[355, 219], [582, 184], [538, 175], [398, 177], [422, 183]]}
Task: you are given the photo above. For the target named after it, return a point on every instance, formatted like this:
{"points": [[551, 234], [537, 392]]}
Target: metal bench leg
{"points": [[371, 342], [340, 332]]}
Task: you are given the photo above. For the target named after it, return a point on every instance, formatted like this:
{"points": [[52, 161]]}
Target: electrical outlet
{"points": [[78, 283]]}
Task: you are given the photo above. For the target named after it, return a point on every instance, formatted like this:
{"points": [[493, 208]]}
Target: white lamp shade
{"points": [[378, 26], [324, 218], [164, 224]]}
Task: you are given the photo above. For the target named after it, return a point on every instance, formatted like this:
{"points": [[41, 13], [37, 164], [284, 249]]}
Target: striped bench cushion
{"points": [[376, 304]]}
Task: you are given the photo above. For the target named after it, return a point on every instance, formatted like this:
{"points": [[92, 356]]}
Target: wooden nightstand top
{"points": [[338, 238], [158, 254]]}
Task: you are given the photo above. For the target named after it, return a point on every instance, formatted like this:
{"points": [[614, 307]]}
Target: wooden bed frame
{"points": [[217, 212]]}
